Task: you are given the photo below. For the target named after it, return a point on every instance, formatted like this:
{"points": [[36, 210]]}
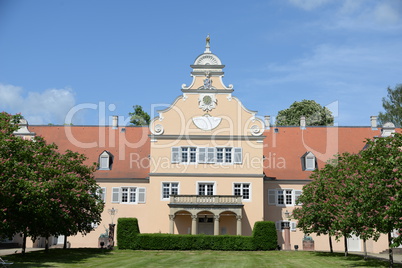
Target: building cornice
{"points": [[123, 180], [236, 175], [206, 206], [208, 137], [227, 91], [207, 66], [287, 181]]}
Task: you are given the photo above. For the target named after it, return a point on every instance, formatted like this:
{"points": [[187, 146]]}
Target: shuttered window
{"points": [[102, 194], [283, 197], [207, 155], [211, 155], [281, 225], [238, 155], [202, 155], [175, 155], [128, 195]]}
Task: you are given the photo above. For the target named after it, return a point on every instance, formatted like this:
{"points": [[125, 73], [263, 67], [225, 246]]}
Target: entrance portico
{"points": [[206, 212]]}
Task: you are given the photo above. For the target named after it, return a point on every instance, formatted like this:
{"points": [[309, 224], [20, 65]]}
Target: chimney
{"points": [[267, 121], [387, 129], [303, 122], [115, 122], [373, 120]]}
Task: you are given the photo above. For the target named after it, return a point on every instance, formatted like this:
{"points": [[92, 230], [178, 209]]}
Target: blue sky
{"points": [[97, 58]]}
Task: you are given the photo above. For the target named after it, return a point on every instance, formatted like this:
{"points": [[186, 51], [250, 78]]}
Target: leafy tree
{"points": [[383, 164], [316, 115], [139, 117], [392, 105], [353, 199], [363, 194], [316, 215], [43, 192]]}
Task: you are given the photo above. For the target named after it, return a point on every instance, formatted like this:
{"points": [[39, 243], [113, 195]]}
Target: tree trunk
{"points": [[24, 243], [391, 256], [346, 246], [365, 249], [65, 242], [47, 244], [330, 244]]}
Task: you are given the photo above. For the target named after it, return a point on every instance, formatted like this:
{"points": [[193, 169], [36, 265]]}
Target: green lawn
{"points": [[129, 258]]}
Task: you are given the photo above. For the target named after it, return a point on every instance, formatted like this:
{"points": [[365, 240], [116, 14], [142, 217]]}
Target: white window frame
{"points": [[279, 225], [242, 184], [227, 155], [189, 153], [170, 187], [286, 197], [193, 155], [128, 192], [273, 196], [184, 154], [140, 194], [204, 183]]}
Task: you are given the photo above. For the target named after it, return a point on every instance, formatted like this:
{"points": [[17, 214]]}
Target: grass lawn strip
{"points": [[128, 258]]}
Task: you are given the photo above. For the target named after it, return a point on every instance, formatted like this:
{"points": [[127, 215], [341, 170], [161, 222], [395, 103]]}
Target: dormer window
{"points": [[309, 161], [105, 161]]}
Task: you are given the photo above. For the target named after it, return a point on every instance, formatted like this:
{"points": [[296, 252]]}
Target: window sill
{"points": [[104, 169]]}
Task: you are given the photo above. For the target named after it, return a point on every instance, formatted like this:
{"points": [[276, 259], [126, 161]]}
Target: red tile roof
{"points": [[129, 146], [283, 150]]}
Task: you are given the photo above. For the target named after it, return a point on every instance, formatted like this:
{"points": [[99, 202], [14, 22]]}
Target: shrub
{"points": [[127, 230], [265, 236]]}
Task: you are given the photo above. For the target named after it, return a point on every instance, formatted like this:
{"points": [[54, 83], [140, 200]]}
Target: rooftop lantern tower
{"points": [[207, 73]]}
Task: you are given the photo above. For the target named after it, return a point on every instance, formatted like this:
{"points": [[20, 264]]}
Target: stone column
{"points": [[216, 224], [171, 224], [238, 225], [287, 238], [194, 224]]}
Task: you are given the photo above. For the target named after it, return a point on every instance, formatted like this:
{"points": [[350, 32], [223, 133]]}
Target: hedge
{"points": [[264, 238], [264, 235], [127, 230], [192, 242]]}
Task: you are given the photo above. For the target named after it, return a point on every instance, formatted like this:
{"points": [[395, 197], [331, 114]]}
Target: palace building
{"points": [[207, 164]]}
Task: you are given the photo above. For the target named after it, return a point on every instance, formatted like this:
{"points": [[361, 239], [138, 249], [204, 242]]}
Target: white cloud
{"points": [[330, 63], [355, 75], [387, 14], [309, 4], [49, 106], [355, 14]]}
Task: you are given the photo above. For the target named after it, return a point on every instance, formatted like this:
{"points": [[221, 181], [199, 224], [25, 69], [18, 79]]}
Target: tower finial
{"points": [[207, 46]]}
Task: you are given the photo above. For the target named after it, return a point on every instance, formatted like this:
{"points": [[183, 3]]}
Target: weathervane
{"points": [[207, 46]]}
